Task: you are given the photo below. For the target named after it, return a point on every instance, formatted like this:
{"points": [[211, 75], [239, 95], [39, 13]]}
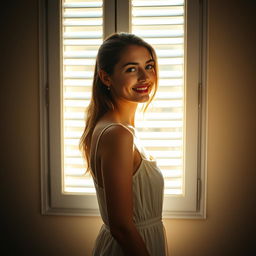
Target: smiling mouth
{"points": [[141, 89]]}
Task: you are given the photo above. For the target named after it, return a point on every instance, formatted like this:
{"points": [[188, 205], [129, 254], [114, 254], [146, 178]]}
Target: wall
{"points": [[228, 229]]}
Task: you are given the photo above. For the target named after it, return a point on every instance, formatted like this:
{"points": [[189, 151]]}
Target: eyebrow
{"points": [[136, 63]]}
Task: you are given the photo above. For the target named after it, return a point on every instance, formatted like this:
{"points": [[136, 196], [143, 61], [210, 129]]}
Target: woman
{"points": [[129, 185]]}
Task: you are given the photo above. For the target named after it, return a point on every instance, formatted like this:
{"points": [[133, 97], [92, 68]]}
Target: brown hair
{"points": [[108, 56]]}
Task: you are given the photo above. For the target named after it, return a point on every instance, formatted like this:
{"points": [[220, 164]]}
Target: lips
{"points": [[141, 89]]}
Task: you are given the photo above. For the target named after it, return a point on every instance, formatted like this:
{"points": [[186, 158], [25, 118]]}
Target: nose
{"points": [[143, 76]]}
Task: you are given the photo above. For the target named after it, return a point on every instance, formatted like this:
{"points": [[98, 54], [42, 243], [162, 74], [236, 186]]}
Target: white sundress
{"points": [[148, 186]]}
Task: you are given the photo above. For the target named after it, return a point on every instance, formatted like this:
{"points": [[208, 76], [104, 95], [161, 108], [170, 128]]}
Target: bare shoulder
{"points": [[116, 134]]}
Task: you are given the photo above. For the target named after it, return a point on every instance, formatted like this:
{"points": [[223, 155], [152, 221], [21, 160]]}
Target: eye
{"points": [[131, 69], [150, 66]]}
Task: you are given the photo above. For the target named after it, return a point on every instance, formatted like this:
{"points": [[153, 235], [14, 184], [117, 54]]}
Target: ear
{"points": [[104, 77]]}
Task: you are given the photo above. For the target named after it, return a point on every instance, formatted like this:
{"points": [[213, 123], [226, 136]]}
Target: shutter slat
{"points": [[159, 33], [79, 23], [83, 35], [82, 42], [82, 4], [157, 12], [158, 3], [161, 41], [157, 21], [89, 14]]}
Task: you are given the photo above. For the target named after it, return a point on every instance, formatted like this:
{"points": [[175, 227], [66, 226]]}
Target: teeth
{"points": [[141, 89]]}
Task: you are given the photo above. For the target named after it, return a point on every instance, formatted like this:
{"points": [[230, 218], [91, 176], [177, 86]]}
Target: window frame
{"points": [[53, 201]]}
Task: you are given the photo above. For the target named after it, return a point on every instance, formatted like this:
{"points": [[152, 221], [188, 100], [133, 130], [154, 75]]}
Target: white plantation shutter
{"points": [[172, 129], [161, 23], [82, 36]]}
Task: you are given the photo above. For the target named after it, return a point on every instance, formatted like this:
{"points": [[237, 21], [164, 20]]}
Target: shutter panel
{"points": [[82, 36], [161, 23]]}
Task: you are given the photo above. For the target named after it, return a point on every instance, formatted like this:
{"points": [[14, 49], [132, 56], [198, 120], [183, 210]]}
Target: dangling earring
{"points": [[108, 87]]}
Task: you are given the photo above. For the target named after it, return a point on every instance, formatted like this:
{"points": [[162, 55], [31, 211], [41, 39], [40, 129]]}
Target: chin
{"points": [[144, 99]]}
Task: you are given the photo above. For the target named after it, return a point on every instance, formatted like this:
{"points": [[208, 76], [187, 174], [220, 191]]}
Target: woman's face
{"points": [[134, 75]]}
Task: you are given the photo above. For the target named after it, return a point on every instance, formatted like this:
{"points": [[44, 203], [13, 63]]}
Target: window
{"points": [[174, 127]]}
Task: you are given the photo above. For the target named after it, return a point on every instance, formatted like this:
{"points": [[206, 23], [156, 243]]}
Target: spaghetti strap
{"points": [[98, 139]]}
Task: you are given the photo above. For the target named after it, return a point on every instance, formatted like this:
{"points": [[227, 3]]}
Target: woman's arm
{"points": [[116, 151]]}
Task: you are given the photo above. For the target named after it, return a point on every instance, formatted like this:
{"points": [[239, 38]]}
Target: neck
{"points": [[125, 113]]}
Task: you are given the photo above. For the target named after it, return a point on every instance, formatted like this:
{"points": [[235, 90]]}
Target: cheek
{"points": [[128, 81], [124, 82], [122, 85], [152, 76]]}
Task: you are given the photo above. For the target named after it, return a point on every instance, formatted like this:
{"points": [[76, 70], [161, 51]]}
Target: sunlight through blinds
{"points": [[161, 23]]}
